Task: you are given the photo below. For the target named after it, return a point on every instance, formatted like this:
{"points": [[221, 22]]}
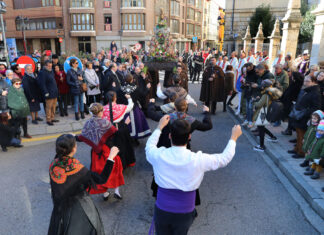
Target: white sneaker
{"points": [[245, 123], [237, 112], [259, 148], [274, 139]]}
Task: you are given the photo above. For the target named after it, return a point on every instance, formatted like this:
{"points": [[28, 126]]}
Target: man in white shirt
{"points": [[259, 57], [234, 60], [179, 172], [220, 61], [225, 63], [266, 59], [278, 60], [250, 58]]}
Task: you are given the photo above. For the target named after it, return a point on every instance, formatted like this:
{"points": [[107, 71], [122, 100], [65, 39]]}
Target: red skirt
{"points": [[116, 177]]}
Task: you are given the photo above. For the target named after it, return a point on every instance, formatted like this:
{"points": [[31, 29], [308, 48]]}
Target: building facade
{"points": [[238, 14], [43, 21], [185, 18]]}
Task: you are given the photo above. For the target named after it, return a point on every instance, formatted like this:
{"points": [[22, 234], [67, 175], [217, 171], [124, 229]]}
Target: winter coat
{"points": [[308, 100], [31, 88], [309, 137], [92, 81], [62, 86], [3, 99], [212, 90], [290, 95], [229, 82], [73, 81], [47, 84], [316, 149], [17, 103], [268, 95], [266, 75], [198, 63], [282, 80], [251, 77]]}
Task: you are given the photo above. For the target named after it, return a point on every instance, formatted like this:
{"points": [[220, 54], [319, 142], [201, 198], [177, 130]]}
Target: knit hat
{"points": [[266, 83], [320, 113], [320, 126]]}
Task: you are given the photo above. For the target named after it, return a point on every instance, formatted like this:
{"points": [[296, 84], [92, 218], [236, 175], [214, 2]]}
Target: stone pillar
{"points": [[259, 38], [317, 54], [291, 28], [274, 42], [247, 40]]}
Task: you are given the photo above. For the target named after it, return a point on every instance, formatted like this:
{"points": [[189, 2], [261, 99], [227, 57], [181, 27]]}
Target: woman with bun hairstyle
{"points": [[74, 211], [98, 133]]}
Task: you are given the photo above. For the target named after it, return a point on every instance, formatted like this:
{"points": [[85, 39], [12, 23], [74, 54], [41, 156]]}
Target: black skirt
{"points": [[34, 106]]}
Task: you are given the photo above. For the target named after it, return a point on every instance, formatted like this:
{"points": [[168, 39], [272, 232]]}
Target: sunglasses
{"points": [[18, 83], [76, 63]]}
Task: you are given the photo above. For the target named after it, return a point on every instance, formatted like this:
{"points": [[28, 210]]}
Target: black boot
{"points": [[66, 113], [4, 148], [77, 116], [82, 115], [304, 164]]}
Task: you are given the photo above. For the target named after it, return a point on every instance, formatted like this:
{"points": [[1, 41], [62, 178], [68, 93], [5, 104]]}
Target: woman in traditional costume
{"points": [[74, 211], [117, 114], [96, 133], [139, 127]]}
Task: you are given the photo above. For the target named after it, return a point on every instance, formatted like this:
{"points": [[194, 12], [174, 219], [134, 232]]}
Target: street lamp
{"points": [[22, 19], [3, 10]]}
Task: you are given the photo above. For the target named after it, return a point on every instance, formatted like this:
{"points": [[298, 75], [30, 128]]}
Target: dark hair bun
{"points": [[64, 145]]}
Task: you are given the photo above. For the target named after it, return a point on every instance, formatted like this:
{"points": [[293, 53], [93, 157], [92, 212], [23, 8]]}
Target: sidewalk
{"points": [[310, 189], [42, 131]]}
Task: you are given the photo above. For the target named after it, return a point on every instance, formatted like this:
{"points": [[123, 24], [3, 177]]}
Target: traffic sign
{"points": [[60, 40], [194, 39], [23, 61], [67, 66]]}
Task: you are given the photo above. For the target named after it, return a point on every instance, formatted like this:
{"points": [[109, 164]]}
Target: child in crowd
{"points": [[316, 152], [310, 134]]}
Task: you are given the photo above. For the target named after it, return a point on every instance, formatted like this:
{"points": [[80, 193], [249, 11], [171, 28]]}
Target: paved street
{"points": [[244, 198]]}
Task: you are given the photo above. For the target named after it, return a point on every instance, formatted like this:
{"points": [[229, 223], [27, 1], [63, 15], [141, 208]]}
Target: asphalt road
{"points": [[243, 198]]}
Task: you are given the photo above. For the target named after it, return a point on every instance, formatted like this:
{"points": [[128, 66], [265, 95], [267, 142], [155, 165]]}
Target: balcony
{"points": [[108, 27]]}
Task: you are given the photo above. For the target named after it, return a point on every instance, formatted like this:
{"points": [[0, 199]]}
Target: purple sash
{"points": [[174, 201]]}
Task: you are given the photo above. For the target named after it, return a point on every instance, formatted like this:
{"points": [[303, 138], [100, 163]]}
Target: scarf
{"points": [[60, 169], [119, 110], [31, 75]]}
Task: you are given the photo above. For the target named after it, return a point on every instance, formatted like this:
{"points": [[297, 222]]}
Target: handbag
{"points": [[83, 87], [262, 117], [297, 114], [275, 111]]}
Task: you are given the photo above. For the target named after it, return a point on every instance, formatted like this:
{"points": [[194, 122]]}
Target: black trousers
{"points": [[262, 131], [191, 72], [94, 99], [17, 123], [63, 103], [196, 75], [167, 223]]}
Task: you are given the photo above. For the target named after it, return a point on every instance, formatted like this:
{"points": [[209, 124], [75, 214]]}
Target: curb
{"points": [[315, 201]]}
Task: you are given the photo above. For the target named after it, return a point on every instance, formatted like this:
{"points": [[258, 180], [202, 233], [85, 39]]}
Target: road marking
{"points": [[47, 137]]}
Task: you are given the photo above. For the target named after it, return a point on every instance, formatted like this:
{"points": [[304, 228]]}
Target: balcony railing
{"points": [[81, 4], [108, 27], [107, 4]]}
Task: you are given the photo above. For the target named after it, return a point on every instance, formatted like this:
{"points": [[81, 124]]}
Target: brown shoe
{"points": [[27, 136]]}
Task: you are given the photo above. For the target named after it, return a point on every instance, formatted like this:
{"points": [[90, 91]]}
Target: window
{"points": [[175, 8], [174, 26], [39, 24], [183, 12], [84, 44], [183, 28], [199, 4], [198, 30], [190, 14], [46, 3], [133, 21], [198, 16], [21, 4], [191, 2], [107, 4], [81, 3], [133, 3], [108, 22], [190, 29], [81, 22]]}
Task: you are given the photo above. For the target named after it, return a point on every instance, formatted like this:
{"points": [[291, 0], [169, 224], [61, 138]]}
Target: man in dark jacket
{"points": [[4, 87], [49, 90], [111, 82], [251, 78], [263, 74], [198, 66]]}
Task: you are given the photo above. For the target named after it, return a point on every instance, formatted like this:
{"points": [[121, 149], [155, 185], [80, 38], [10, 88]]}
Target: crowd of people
{"points": [[120, 92]]}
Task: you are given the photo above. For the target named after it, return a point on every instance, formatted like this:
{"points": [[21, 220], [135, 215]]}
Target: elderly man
{"points": [[281, 77], [49, 90], [263, 74], [266, 59], [288, 62]]}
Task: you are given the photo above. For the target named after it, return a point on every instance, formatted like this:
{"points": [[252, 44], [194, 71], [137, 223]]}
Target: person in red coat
{"points": [[97, 133], [63, 87]]}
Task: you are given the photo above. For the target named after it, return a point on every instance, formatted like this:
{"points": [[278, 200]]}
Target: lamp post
{"points": [[3, 10], [22, 19]]}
